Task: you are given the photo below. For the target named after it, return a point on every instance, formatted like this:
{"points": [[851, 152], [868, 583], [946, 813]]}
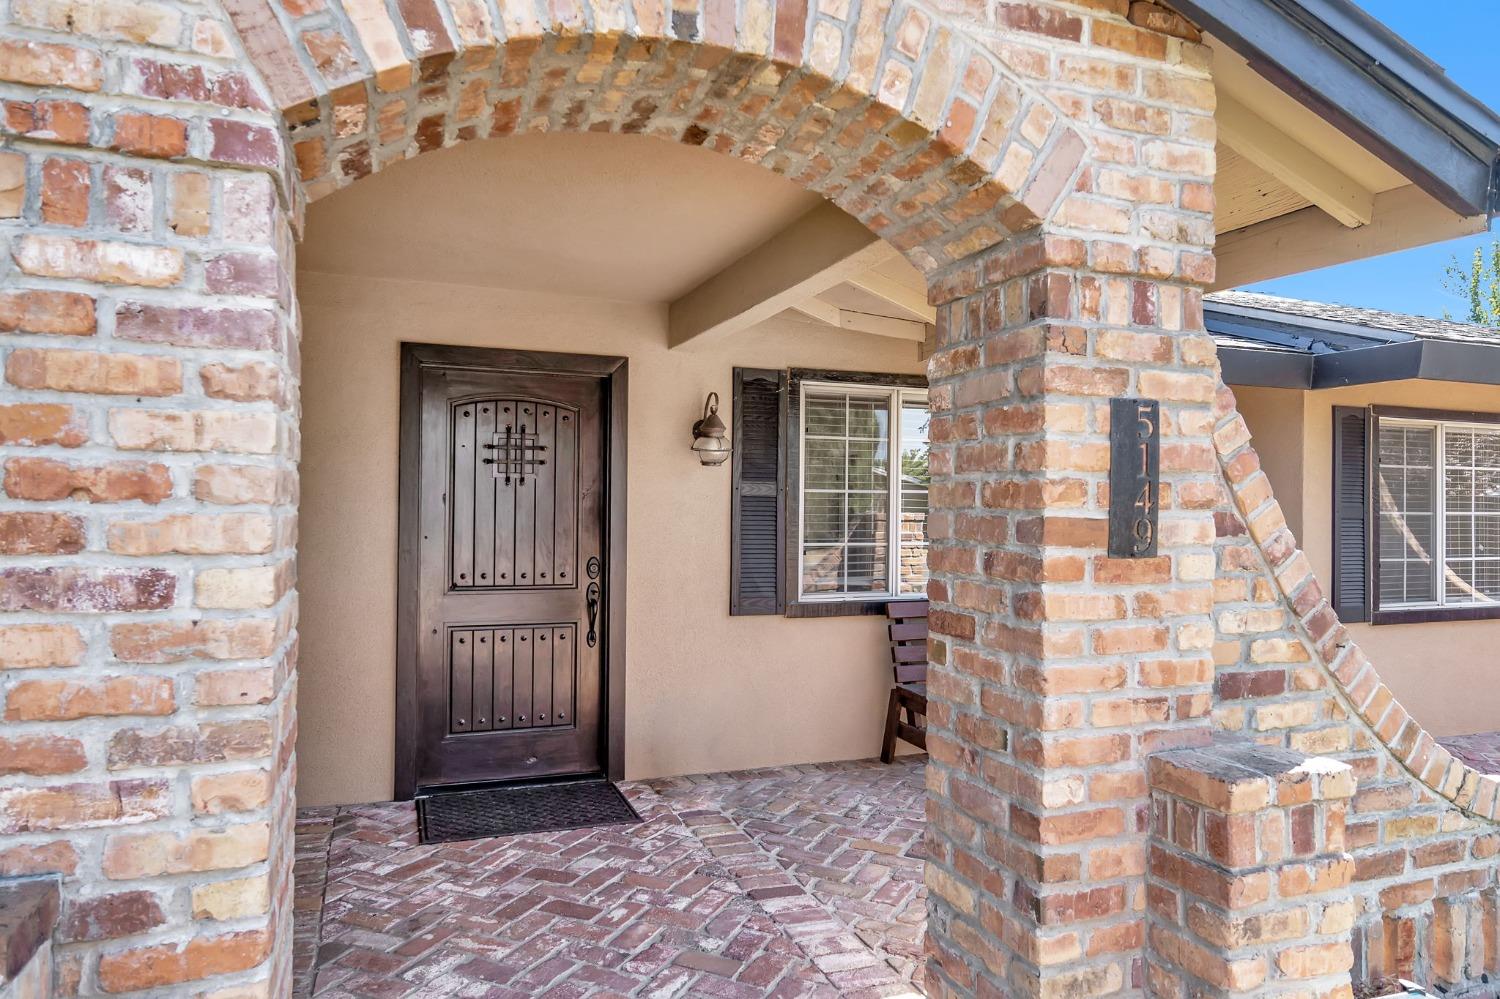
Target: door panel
{"points": [[515, 480], [509, 671]]}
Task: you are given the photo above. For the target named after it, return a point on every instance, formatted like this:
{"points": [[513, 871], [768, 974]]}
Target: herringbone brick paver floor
{"points": [[1480, 750], [795, 881]]}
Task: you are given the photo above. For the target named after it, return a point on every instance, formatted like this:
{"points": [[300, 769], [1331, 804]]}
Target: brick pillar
{"points": [[1056, 668], [147, 507], [1249, 880]]}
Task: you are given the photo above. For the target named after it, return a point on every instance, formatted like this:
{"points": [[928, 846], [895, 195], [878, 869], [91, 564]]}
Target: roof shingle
{"points": [[1244, 304]]}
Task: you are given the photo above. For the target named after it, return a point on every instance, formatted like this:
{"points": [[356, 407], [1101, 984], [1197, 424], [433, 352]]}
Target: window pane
{"points": [[1458, 489], [826, 416], [867, 518], [865, 572], [823, 518], [846, 492], [824, 464], [1487, 535], [1460, 540], [867, 465], [822, 569], [870, 418], [1460, 581], [1458, 448], [915, 479], [1471, 482], [1487, 450], [1406, 501], [1487, 579], [1487, 490]]}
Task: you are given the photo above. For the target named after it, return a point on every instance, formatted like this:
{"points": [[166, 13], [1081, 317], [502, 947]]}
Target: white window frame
{"points": [[1440, 510], [896, 395]]}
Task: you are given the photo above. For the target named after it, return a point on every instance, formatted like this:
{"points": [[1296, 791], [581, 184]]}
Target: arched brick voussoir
{"points": [[1370, 703], [887, 110]]}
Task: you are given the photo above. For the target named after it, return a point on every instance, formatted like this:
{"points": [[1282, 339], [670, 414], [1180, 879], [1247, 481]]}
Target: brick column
{"points": [[147, 507], [1249, 879], [1058, 669]]}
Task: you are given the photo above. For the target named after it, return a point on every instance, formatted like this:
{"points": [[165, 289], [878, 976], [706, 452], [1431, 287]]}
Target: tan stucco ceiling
{"points": [[601, 216]]}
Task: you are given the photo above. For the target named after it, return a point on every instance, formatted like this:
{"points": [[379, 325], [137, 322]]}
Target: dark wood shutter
{"points": [[758, 526], [1353, 447]]}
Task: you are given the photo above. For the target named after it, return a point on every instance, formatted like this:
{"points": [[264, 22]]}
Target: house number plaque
{"points": [[1134, 476]]}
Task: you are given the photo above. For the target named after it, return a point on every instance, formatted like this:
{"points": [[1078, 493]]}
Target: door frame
{"points": [[613, 371]]}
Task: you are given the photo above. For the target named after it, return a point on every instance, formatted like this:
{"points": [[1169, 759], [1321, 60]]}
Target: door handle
{"points": [[593, 601]]}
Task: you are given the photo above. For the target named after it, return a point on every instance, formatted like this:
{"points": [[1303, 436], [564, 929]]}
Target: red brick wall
{"points": [[147, 525], [1421, 827], [1247, 888]]}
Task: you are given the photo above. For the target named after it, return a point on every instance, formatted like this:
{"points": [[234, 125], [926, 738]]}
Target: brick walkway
{"points": [[797, 881], [1480, 750]]}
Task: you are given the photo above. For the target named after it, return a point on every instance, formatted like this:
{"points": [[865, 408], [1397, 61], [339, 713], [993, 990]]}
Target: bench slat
{"points": [[909, 631], [901, 610]]}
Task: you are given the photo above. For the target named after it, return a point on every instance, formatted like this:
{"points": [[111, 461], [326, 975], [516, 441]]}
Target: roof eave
{"points": [[1266, 368], [1430, 360], [1362, 78]]}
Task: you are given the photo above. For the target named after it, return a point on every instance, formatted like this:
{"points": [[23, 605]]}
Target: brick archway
{"points": [[1031, 240], [926, 137]]}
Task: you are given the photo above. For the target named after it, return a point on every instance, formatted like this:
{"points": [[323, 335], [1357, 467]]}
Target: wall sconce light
{"points": [[709, 442]]}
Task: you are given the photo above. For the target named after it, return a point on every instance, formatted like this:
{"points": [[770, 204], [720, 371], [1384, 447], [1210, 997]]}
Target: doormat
{"points": [[513, 809]]}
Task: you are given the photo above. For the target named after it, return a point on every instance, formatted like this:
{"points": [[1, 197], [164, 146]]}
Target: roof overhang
{"points": [[1433, 360], [1359, 76], [1278, 360], [1266, 368]]}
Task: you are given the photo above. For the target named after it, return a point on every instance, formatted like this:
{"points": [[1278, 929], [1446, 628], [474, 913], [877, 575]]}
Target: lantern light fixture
{"points": [[709, 434]]}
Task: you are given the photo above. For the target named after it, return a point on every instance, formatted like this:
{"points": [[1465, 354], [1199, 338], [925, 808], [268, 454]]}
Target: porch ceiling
{"points": [[601, 216]]}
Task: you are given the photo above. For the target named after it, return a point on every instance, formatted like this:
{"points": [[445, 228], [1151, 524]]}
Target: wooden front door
{"points": [[510, 613]]}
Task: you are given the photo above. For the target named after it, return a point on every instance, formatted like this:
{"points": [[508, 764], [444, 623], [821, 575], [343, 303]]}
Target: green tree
{"points": [[1477, 283], [914, 464]]}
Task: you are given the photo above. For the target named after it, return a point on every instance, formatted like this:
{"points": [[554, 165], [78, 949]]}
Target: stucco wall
{"points": [[1275, 417], [705, 691], [1443, 673]]}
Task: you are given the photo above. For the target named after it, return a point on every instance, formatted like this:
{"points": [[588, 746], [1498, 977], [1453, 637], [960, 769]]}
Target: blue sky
{"points": [[1461, 36]]}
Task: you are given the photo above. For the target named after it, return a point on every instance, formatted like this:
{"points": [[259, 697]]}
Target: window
{"points": [[1437, 496], [828, 493], [848, 498], [1417, 515]]}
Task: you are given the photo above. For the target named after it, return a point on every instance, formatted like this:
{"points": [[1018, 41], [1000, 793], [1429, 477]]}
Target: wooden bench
{"points": [[908, 631]]}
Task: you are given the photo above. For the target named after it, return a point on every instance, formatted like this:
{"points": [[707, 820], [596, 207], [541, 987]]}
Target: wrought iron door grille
{"points": [[516, 454]]}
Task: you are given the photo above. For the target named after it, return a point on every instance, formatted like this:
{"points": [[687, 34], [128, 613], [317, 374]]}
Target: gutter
{"points": [[1431, 360], [1266, 368], [1361, 77]]}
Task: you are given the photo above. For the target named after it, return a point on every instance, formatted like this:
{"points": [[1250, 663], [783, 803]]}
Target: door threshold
{"points": [[428, 790]]}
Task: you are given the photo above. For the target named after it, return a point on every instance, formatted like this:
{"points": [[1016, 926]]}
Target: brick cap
{"points": [[1242, 777], [28, 915]]}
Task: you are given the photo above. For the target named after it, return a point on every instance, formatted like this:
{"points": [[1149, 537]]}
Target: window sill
{"points": [[1434, 615], [844, 608]]}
